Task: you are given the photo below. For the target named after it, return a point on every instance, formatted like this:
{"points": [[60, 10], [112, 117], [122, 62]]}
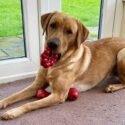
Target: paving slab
{"points": [[11, 47]]}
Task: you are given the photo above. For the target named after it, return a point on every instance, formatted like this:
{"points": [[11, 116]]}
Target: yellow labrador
{"points": [[82, 64]]}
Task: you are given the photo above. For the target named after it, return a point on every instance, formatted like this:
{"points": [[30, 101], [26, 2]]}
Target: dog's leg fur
{"points": [[59, 95], [50, 100], [121, 72], [28, 92]]}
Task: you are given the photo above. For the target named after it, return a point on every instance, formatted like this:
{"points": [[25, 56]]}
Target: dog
{"points": [[82, 64]]}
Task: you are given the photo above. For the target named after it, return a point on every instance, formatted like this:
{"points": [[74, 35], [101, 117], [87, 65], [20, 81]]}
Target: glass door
{"points": [[19, 39]]}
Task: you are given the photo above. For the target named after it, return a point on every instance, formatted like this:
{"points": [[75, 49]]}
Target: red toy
{"points": [[47, 58], [42, 93], [72, 95]]}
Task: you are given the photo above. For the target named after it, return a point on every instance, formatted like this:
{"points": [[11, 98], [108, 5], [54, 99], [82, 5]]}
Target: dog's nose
{"points": [[53, 44]]}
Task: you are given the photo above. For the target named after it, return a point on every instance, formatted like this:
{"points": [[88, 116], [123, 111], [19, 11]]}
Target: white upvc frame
{"points": [[19, 68], [122, 31], [112, 18], [109, 9], [118, 18]]}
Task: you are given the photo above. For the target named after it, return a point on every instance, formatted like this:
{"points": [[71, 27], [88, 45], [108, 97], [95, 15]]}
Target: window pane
{"points": [[87, 11], [11, 30]]}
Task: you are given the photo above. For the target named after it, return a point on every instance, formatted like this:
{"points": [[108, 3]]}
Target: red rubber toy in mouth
{"points": [[47, 58]]}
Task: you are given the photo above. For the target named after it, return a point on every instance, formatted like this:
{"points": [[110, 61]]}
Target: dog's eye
{"points": [[53, 25], [69, 32]]}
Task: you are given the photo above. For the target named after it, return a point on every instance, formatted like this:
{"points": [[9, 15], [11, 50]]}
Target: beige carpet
{"points": [[92, 108]]}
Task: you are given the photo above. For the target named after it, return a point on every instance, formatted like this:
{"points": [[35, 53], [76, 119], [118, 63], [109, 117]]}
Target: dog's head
{"points": [[62, 32]]}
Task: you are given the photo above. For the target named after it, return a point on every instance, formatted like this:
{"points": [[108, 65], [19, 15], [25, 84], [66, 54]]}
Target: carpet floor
{"points": [[93, 107]]}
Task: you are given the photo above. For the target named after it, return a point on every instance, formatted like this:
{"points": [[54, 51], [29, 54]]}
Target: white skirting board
{"points": [[11, 78]]}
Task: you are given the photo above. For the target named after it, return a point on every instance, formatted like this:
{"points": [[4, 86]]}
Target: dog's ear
{"points": [[82, 33], [45, 20]]}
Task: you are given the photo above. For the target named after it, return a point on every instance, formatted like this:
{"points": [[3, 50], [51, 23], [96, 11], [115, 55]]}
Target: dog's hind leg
{"points": [[121, 72]]}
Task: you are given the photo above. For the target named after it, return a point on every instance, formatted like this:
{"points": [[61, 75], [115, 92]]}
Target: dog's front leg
{"points": [[58, 95], [52, 99], [28, 92]]}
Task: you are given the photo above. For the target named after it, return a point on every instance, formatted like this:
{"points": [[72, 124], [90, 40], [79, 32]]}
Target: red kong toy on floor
{"points": [[72, 95], [47, 59], [42, 93]]}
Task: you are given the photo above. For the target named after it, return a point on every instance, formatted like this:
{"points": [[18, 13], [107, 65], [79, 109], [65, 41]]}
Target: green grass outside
{"points": [[86, 11], [11, 21], [10, 18]]}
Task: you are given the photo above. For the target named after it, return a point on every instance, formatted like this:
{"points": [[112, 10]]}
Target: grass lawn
{"points": [[10, 18], [11, 21], [85, 10]]}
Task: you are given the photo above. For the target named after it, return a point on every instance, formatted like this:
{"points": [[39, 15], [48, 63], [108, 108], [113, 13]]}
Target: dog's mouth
{"points": [[54, 52], [49, 57]]}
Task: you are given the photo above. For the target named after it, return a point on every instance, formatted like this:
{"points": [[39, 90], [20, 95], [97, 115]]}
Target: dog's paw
{"points": [[7, 116], [11, 114], [110, 89], [3, 104]]}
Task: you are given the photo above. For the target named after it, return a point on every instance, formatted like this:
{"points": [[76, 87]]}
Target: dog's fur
{"points": [[82, 64]]}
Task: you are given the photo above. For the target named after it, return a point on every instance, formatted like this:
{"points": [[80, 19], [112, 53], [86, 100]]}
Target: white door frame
{"points": [[112, 18], [122, 31], [118, 18], [109, 9]]}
